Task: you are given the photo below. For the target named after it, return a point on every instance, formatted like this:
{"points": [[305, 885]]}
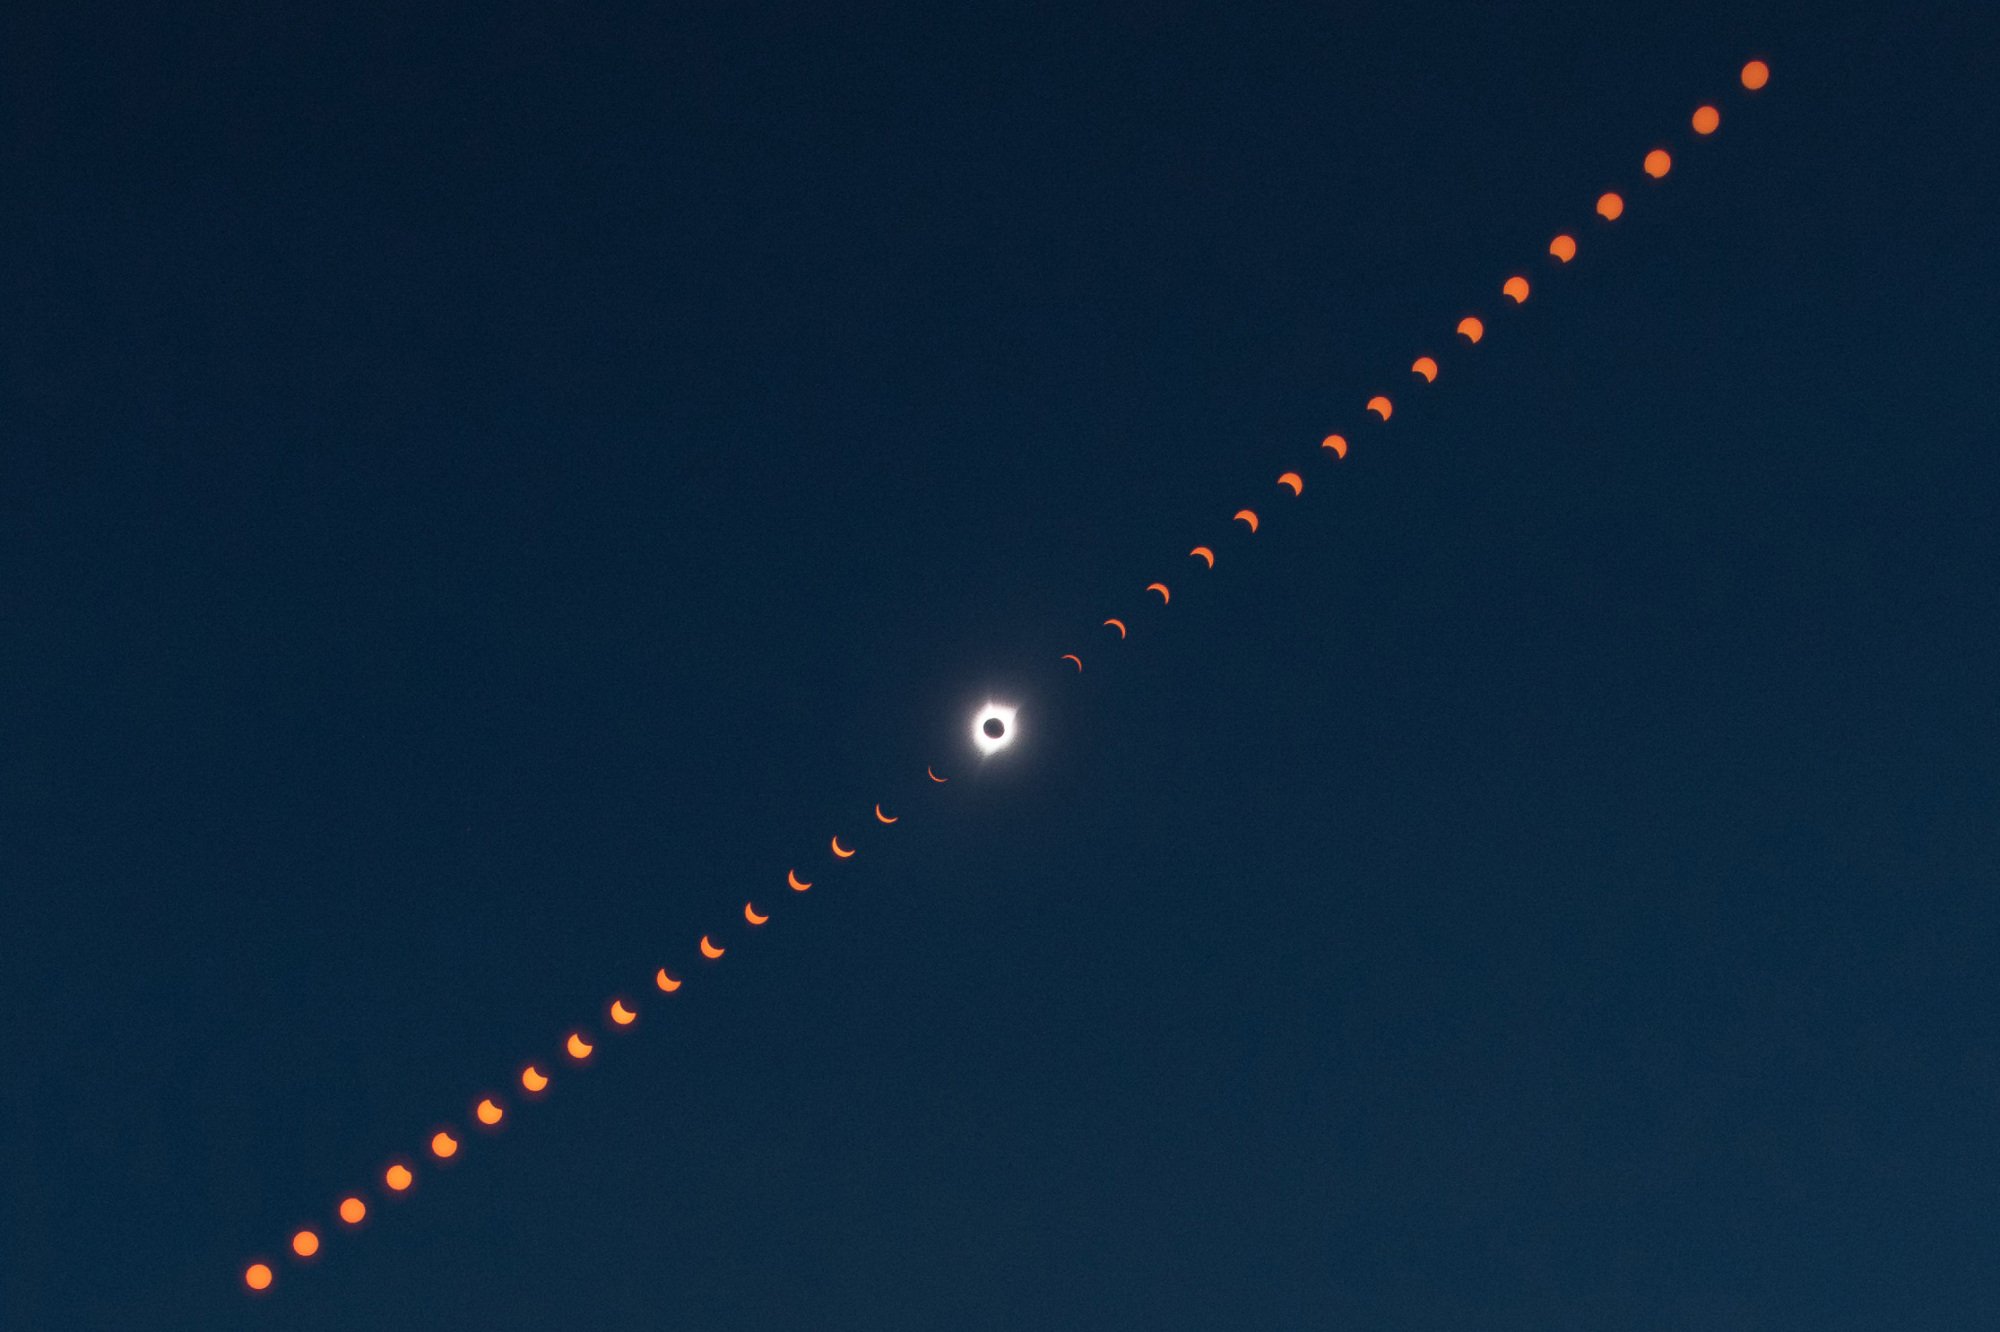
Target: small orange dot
{"points": [[257, 1276], [1563, 248], [443, 1144], [1756, 74], [1610, 206], [397, 1177], [1706, 118], [488, 1112], [1658, 163], [305, 1244], [352, 1210]]}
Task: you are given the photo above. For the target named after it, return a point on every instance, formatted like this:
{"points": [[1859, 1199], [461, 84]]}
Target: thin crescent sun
{"points": [[1205, 553], [881, 816], [1247, 516], [840, 850], [1071, 656], [709, 950], [1161, 588], [620, 1014], [798, 885], [666, 983], [750, 914], [1293, 482], [933, 776], [1119, 625], [578, 1047]]}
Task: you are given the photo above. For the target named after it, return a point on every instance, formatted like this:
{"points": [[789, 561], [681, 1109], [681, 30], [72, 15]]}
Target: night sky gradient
{"points": [[485, 489]]}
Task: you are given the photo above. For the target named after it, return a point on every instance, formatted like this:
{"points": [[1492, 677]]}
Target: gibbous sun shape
{"points": [[993, 728]]}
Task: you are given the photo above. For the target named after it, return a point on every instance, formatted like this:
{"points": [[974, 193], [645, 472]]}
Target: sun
{"points": [[993, 728]]}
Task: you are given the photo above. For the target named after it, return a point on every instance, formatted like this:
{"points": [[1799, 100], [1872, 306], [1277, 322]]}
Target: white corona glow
{"points": [[993, 744]]}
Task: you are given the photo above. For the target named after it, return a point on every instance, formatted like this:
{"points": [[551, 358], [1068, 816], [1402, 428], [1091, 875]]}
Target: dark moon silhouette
{"points": [[994, 728]]}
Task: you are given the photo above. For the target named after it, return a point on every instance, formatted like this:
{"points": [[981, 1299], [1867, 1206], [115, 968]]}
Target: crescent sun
{"points": [[1161, 588], [709, 950], [798, 885], [1119, 625], [750, 914], [840, 850]]}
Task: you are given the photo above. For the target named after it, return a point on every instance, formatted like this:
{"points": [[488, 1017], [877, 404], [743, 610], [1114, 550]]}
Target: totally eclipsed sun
{"points": [[993, 728]]}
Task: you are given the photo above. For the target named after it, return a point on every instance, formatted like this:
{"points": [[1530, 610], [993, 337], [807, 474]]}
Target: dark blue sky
{"points": [[485, 490]]}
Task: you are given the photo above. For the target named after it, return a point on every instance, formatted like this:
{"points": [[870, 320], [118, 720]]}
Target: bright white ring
{"points": [[991, 744]]}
